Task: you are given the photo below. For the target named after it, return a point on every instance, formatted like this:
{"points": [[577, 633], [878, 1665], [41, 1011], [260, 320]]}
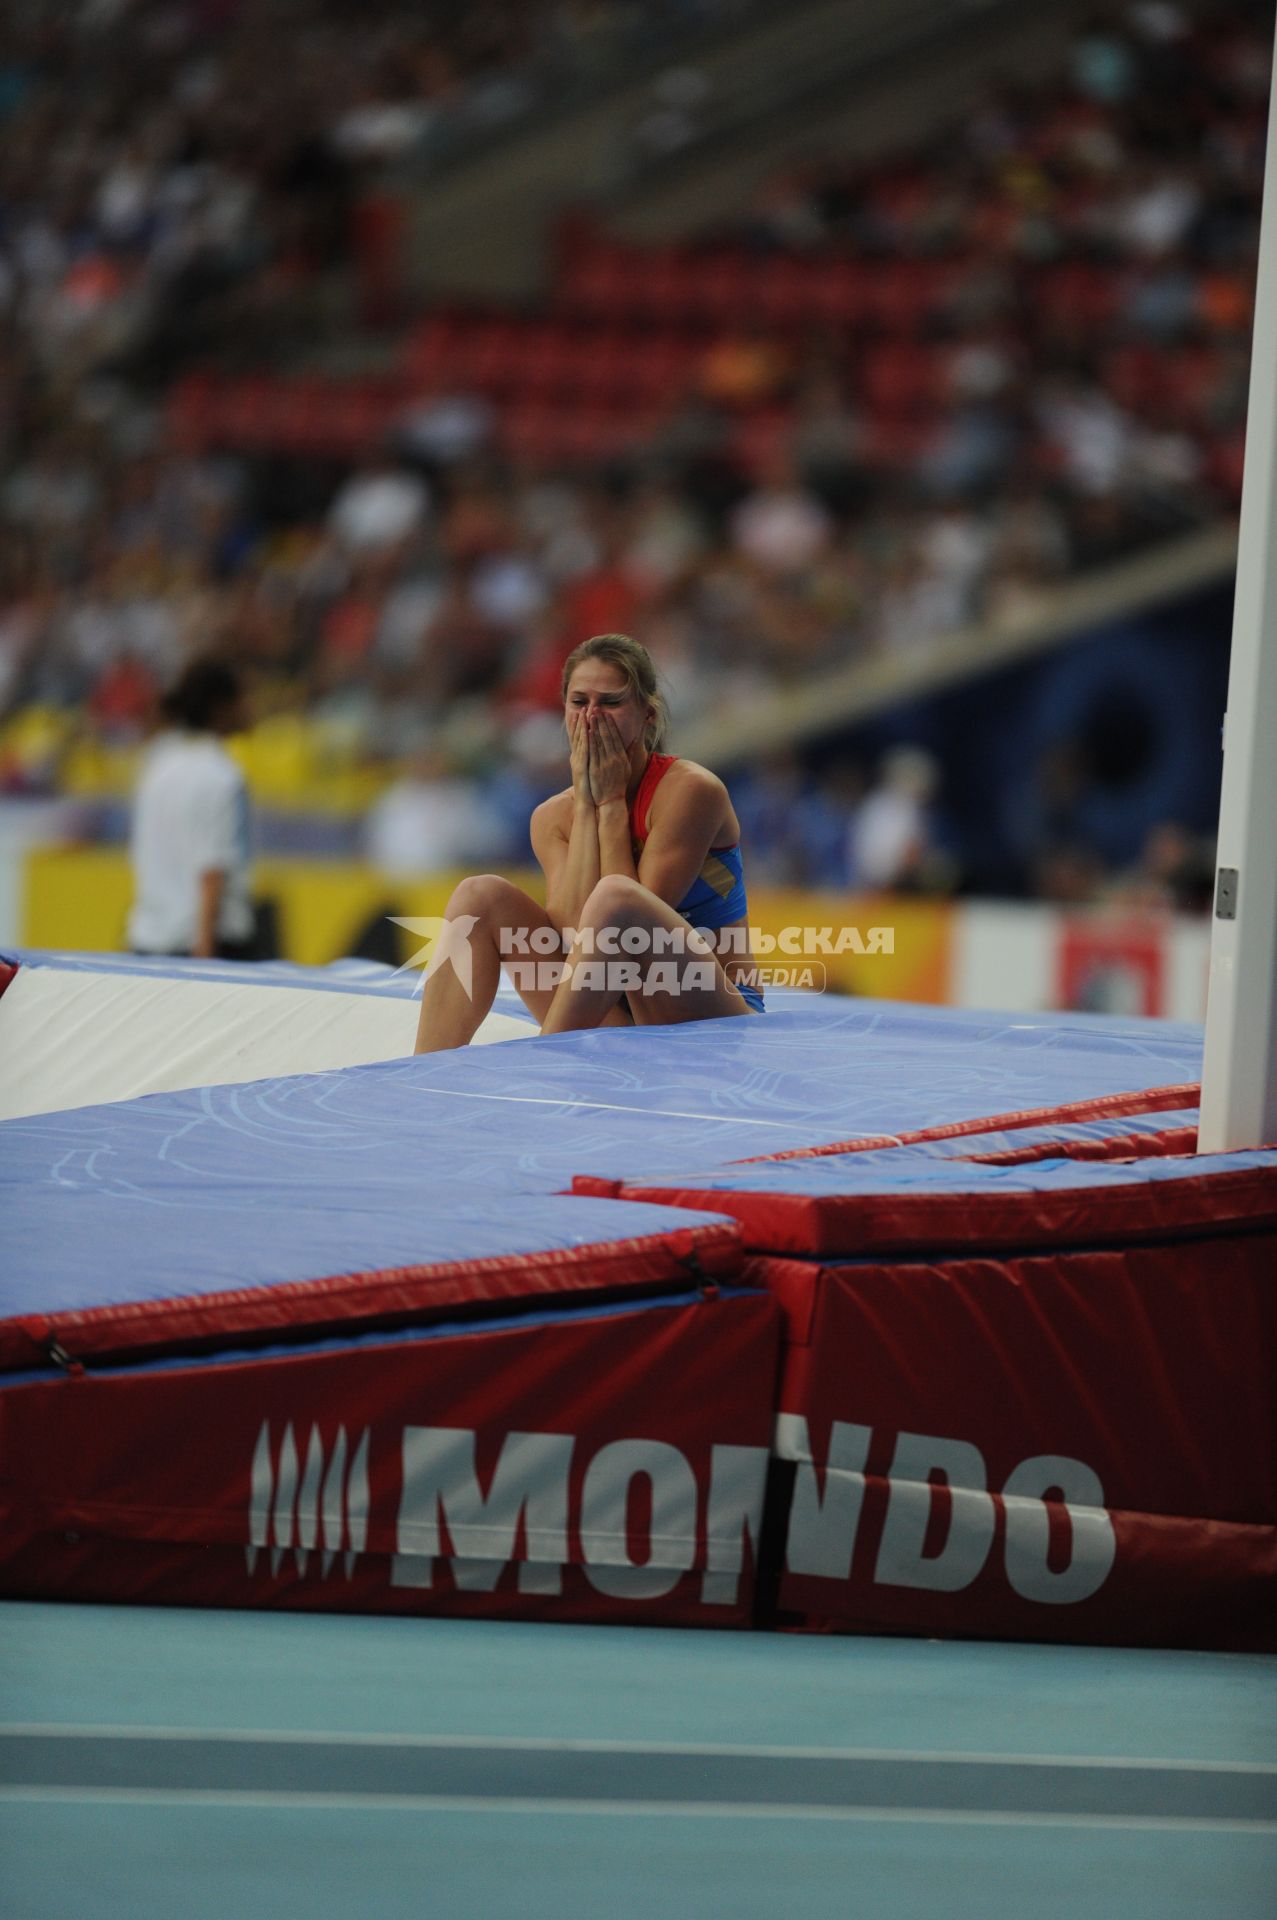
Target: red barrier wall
{"points": [[1078, 1446], [607, 1467]]}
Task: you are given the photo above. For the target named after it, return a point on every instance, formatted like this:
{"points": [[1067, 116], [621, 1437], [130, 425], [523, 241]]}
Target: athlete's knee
{"points": [[615, 901], [484, 895]]}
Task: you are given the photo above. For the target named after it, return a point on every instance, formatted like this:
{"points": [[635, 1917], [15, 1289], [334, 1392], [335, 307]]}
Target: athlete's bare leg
{"points": [[503, 914], [505, 918], [691, 983]]}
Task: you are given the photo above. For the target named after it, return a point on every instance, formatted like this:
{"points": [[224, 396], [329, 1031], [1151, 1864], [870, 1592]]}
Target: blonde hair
{"points": [[631, 658]]}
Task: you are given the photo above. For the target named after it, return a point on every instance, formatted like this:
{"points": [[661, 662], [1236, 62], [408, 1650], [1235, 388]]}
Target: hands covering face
{"points": [[609, 761], [579, 744], [599, 759]]}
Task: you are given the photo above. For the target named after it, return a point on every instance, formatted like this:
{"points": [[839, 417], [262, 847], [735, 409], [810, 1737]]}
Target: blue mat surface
{"points": [[340, 976], [913, 1171], [620, 1102], [458, 1156], [1067, 1135], [65, 1251]]}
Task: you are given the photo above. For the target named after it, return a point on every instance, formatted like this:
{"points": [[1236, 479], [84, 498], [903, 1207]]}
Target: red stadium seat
{"points": [[1225, 464], [303, 414], [901, 379], [658, 286], [897, 443], [718, 289], [603, 367], [760, 436], [601, 283], [902, 295], [1088, 295], [192, 409], [245, 417], [358, 416], [428, 351], [838, 292], [781, 293], [547, 357], [661, 365], [527, 431]]}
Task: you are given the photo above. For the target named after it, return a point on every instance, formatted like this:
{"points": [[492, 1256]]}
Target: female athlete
{"points": [[643, 881]]}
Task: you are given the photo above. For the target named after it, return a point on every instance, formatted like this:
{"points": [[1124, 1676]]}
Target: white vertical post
{"points": [[1239, 1077]]}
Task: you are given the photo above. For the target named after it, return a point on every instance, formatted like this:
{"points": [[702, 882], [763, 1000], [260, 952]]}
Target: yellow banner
{"points": [[883, 948], [78, 898], [870, 944]]}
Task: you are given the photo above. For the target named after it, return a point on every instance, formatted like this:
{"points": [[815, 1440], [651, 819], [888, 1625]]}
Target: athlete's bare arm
{"points": [[690, 814]]}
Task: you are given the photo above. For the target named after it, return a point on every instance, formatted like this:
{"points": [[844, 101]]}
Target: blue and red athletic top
{"points": [[716, 898]]}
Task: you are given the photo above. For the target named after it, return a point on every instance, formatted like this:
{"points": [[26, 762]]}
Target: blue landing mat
{"points": [[73, 1250], [422, 1160], [913, 1171], [901, 1198], [340, 976], [1068, 1135], [527, 1117]]}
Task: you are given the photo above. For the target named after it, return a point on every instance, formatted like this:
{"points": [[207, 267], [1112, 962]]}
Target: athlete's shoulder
{"points": [[688, 780], [690, 793], [553, 815]]}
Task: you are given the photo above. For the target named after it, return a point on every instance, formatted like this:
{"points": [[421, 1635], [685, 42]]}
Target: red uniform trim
{"points": [[658, 765]]}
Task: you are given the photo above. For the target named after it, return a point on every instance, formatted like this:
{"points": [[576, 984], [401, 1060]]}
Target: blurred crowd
{"points": [[175, 174], [179, 176], [157, 200]]}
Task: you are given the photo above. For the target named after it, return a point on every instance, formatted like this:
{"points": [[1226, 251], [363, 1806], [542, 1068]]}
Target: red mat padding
{"points": [[606, 1466], [895, 1217], [1071, 1447], [1114, 1146], [431, 1290], [1111, 1106]]}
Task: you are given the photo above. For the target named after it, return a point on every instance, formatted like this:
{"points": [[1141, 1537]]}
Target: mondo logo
{"points": [[545, 1504], [316, 1502], [826, 1511]]}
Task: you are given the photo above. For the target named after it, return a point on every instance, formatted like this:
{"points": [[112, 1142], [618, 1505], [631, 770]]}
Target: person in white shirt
{"points": [[379, 508], [431, 818], [190, 839], [890, 844]]}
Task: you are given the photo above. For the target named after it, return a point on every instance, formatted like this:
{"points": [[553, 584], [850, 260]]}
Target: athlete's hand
{"points": [[579, 744], [609, 762]]}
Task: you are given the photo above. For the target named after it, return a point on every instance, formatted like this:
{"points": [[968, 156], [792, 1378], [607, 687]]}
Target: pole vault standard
{"points": [[1239, 1075]]}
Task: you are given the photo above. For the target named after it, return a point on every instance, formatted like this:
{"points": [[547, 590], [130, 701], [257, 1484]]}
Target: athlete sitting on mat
{"points": [[641, 856]]}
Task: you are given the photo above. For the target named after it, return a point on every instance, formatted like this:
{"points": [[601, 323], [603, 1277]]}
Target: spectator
{"points": [[781, 526], [379, 508], [743, 369], [891, 840], [1175, 872], [433, 818], [1063, 284], [190, 846]]}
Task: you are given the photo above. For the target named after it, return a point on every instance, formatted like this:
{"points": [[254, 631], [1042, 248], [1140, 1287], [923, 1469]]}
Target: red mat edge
{"points": [[709, 1250], [846, 1226]]}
